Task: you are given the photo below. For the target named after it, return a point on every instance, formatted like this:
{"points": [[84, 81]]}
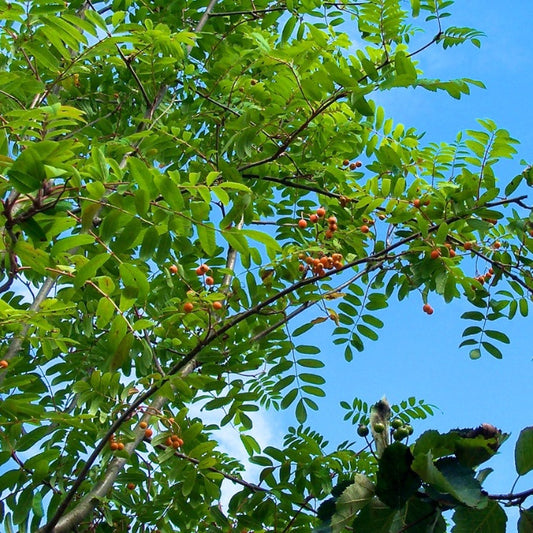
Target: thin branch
{"points": [[288, 183], [514, 499], [252, 13]]}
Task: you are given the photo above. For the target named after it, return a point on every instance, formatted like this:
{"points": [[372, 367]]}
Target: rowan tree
{"points": [[157, 161]]}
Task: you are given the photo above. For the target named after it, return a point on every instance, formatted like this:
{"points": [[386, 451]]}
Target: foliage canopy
{"points": [[179, 182]]}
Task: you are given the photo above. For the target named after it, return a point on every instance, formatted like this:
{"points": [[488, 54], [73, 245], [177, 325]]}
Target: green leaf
{"points": [[363, 107], [523, 455], [89, 269], [375, 518], [301, 411], [491, 519], [525, 522], [451, 477], [396, 482], [355, 497]]}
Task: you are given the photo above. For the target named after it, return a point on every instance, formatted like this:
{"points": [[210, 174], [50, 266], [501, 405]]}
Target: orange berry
{"points": [[199, 271], [320, 212], [427, 308], [358, 164], [168, 441], [333, 227], [120, 446], [491, 270], [217, 305], [174, 438], [180, 441], [131, 486], [175, 444], [435, 254], [332, 220], [353, 166], [416, 202], [346, 162], [209, 280], [328, 234], [324, 260], [337, 264], [364, 228], [4, 363], [173, 269], [148, 433], [143, 425], [468, 245], [114, 446], [497, 245], [204, 268], [309, 260], [313, 218], [452, 252], [302, 223], [188, 307], [336, 257]]}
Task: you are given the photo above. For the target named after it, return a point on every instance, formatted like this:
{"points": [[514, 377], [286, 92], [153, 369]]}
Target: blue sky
{"points": [[417, 354]]}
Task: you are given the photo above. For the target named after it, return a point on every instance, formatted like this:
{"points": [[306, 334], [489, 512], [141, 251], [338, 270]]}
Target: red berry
{"points": [[313, 218], [416, 202], [173, 269], [332, 220], [364, 228], [204, 268], [435, 254], [353, 166], [346, 162], [209, 280], [148, 433], [188, 307], [358, 164], [217, 305], [302, 223], [320, 212]]}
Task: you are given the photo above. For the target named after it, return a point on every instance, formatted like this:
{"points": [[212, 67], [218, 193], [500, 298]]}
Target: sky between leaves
{"points": [[417, 354]]}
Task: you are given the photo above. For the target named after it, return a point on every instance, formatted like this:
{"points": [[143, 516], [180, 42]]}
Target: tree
{"points": [[180, 181]]}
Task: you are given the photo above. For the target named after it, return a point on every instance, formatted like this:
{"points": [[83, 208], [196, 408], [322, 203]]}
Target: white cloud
{"points": [[266, 431]]}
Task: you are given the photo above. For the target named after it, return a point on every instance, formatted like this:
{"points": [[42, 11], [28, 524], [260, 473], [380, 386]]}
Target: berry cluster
{"points": [[418, 202], [427, 309], [482, 278], [319, 265], [320, 214], [174, 441], [115, 445], [352, 166]]}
